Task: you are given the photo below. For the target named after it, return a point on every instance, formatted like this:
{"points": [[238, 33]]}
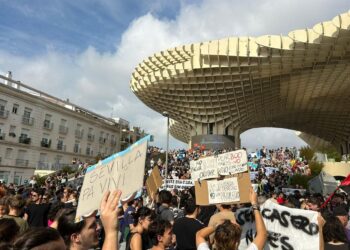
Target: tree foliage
{"points": [[307, 153]]}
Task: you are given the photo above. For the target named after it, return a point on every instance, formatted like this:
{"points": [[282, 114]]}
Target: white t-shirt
{"points": [[205, 246]]}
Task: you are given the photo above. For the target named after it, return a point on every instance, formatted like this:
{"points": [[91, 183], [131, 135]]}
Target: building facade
{"points": [[39, 131]]}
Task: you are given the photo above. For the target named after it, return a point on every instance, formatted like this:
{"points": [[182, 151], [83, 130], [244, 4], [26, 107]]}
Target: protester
{"points": [[36, 212], [227, 233], [334, 235], [161, 234], [138, 239], [164, 211], [16, 205], [8, 230], [185, 228]]}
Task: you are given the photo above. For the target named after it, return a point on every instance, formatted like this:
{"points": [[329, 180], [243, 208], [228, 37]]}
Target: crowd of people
{"points": [[43, 216]]}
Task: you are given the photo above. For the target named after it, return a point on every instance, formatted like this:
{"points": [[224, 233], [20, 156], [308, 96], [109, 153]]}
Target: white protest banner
{"points": [[223, 191], [289, 191], [270, 170], [170, 184], [244, 218], [290, 228], [232, 162], [124, 171], [204, 168]]}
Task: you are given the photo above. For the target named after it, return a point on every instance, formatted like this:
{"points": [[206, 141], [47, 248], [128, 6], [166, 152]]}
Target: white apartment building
{"points": [[39, 131]]}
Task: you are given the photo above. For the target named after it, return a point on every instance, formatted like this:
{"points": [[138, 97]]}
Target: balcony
{"points": [[45, 143], [63, 129], [113, 143], [48, 125], [79, 133], [102, 140], [2, 136], [91, 137], [4, 114], [77, 150], [43, 165], [61, 147], [24, 140], [89, 151], [27, 120], [22, 162]]}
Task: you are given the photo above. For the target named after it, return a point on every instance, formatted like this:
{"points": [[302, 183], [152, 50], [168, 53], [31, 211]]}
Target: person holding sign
{"points": [[227, 234], [83, 235]]}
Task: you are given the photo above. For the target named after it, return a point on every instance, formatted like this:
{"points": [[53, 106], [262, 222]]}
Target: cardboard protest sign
{"points": [[232, 162], [290, 228], [204, 168], [223, 191], [211, 192], [154, 181], [170, 184], [124, 171]]}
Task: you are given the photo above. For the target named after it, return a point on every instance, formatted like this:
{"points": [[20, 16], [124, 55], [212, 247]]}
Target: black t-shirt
{"points": [[37, 214], [185, 230]]}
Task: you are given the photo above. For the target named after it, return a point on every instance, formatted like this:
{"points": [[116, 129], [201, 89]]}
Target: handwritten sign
{"points": [[244, 217], [232, 162], [270, 170], [223, 191], [290, 228], [170, 184], [124, 171], [204, 168]]}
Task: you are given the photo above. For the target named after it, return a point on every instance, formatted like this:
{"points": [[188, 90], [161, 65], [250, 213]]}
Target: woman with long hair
{"points": [[334, 235], [138, 239]]}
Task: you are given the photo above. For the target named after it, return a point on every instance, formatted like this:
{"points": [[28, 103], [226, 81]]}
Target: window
{"points": [[8, 153], [210, 128], [15, 108], [3, 112], [12, 132], [60, 145], [76, 147]]}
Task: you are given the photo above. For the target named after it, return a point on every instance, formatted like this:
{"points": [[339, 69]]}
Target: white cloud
{"points": [[100, 81]]}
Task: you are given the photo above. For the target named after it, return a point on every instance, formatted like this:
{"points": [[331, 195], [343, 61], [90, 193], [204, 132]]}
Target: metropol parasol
{"points": [[213, 91]]}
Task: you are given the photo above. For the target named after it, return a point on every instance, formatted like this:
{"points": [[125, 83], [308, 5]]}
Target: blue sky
{"points": [[33, 27], [86, 50]]}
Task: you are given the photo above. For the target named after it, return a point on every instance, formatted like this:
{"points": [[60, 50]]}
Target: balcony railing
{"points": [[48, 125], [4, 114], [24, 140], [43, 165], [88, 151], [91, 137], [77, 150], [113, 143], [79, 133], [45, 143], [2, 136], [63, 129], [61, 147], [27, 120], [22, 162]]}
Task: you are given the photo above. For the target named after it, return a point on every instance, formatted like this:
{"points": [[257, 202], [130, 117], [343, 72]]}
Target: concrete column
{"points": [[237, 138]]}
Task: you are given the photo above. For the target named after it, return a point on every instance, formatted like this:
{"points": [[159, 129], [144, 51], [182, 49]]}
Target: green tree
{"points": [[332, 153], [307, 153]]}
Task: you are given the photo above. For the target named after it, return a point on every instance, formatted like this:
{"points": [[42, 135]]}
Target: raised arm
{"points": [[261, 235], [109, 218]]}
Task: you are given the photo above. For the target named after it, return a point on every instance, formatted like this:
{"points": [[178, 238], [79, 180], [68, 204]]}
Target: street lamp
{"points": [[166, 114]]}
